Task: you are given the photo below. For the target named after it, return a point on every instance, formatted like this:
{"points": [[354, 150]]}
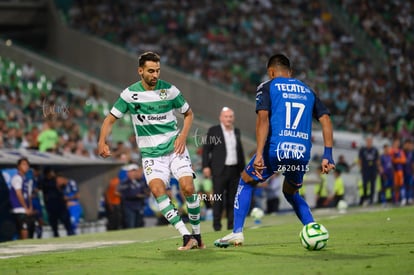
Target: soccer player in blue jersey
{"points": [[71, 196], [285, 108]]}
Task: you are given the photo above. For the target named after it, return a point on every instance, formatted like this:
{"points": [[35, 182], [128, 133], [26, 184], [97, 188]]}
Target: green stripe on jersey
{"points": [[156, 129], [150, 108], [160, 150], [161, 84], [153, 117]]}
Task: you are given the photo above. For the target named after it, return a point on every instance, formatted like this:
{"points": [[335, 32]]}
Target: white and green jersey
{"points": [[152, 113]]}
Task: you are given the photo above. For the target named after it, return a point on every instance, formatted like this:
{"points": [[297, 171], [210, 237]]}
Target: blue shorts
{"points": [[75, 212], [292, 169]]}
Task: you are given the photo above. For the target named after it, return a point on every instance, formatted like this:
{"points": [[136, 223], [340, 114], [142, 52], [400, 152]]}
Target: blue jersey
{"points": [[24, 184], [291, 105], [71, 189]]}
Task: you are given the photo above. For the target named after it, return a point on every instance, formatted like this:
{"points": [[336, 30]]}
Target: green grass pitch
{"points": [[362, 241]]}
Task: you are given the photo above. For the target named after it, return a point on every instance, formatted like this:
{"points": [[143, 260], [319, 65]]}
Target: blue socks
{"points": [[301, 208], [242, 205]]}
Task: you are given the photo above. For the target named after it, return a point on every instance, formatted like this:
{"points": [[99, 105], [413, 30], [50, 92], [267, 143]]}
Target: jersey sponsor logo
{"points": [[292, 88], [134, 96], [290, 150], [294, 96], [151, 117], [163, 94], [140, 117], [156, 117]]}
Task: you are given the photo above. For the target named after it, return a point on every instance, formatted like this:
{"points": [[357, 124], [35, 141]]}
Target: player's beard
{"points": [[151, 82]]}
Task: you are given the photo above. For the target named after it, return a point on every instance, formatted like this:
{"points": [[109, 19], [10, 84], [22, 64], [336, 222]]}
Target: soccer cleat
{"points": [[200, 243], [189, 242], [235, 239]]}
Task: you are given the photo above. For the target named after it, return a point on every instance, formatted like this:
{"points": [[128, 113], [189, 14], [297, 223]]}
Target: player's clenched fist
{"points": [[104, 150]]}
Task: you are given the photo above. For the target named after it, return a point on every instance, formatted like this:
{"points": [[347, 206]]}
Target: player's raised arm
{"points": [[327, 132], [106, 128]]}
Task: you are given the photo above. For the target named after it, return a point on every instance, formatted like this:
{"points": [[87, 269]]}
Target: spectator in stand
{"points": [[48, 138], [60, 85], [89, 141], [121, 152], [34, 133], [11, 139], [133, 150], [28, 72], [332, 64]]}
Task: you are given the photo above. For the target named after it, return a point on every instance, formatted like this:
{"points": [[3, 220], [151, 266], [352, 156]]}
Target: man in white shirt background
{"points": [[223, 160]]}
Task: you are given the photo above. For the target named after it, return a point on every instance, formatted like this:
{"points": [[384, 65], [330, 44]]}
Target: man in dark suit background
{"points": [[223, 160]]}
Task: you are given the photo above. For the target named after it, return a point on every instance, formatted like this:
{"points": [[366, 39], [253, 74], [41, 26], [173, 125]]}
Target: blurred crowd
{"points": [[227, 44], [58, 118]]}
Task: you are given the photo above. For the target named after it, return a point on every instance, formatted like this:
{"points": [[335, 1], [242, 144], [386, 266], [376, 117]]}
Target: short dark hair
{"points": [[148, 56], [20, 160], [279, 60]]}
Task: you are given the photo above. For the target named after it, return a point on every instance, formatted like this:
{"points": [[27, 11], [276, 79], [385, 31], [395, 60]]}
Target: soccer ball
{"points": [[314, 236], [257, 213], [342, 206]]}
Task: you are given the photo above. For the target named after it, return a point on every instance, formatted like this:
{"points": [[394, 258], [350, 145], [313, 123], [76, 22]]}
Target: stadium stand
{"points": [[26, 103], [76, 112], [228, 47]]}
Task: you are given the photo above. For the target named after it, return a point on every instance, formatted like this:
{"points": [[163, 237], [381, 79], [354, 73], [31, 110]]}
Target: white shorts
{"points": [[163, 167]]}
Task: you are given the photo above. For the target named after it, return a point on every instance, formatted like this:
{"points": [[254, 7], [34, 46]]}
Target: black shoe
{"points": [[189, 242], [200, 243]]}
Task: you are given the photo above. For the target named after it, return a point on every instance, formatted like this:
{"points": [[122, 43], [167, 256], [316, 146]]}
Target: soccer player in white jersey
{"points": [[151, 103]]}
